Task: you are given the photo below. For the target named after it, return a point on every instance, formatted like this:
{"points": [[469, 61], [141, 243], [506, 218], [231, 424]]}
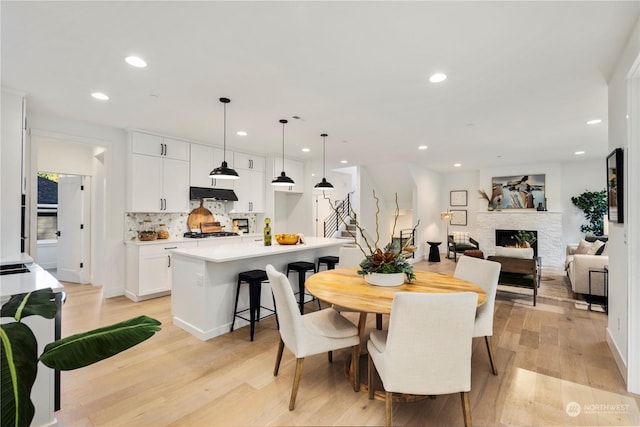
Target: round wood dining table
{"points": [[344, 287]]}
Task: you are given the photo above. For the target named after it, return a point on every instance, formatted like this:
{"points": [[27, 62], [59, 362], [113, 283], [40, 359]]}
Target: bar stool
{"points": [[301, 267], [254, 278], [331, 262]]}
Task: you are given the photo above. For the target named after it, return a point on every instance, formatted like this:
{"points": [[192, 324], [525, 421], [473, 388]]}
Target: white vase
{"points": [[381, 279]]}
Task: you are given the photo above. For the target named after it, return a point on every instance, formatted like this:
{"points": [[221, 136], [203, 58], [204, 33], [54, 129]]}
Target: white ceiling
{"points": [[523, 77]]}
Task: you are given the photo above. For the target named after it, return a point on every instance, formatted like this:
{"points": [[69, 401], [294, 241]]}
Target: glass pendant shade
{"points": [[283, 180], [324, 185], [224, 171]]}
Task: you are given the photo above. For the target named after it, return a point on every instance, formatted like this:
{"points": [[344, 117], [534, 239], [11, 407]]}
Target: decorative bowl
{"points": [[287, 239]]}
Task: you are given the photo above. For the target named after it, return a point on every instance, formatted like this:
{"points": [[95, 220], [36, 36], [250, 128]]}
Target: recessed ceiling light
{"points": [[579, 153], [422, 147], [135, 61], [313, 175], [241, 133], [437, 78], [457, 165], [594, 122], [306, 150], [344, 161], [99, 95]]}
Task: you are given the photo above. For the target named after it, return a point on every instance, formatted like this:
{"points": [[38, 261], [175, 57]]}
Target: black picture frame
{"points": [[615, 185], [458, 198], [458, 217]]}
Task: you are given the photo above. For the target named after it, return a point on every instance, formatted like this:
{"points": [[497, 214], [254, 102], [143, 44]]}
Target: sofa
{"points": [[580, 258]]}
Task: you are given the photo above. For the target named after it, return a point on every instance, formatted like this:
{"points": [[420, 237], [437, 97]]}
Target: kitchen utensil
{"points": [[198, 216]]}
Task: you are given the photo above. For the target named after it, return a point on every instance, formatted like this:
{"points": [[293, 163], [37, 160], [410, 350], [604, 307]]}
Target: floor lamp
{"points": [[446, 216]]}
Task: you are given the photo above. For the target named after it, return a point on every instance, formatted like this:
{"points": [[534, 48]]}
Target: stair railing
{"points": [[341, 210]]}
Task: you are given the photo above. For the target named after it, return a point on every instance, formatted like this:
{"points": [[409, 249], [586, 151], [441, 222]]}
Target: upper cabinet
{"points": [[158, 174], [294, 170], [204, 159], [250, 187], [153, 145]]}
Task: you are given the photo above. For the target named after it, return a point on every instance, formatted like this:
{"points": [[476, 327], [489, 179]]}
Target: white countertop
{"points": [[16, 259], [22, 283], [237, 251]]}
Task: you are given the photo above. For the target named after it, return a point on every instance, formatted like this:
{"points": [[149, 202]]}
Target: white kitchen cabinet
{"points": [[204, 159], [158, 182], [294, 170], [154, 145], [250, 187], [11, 183], [149, 268]]}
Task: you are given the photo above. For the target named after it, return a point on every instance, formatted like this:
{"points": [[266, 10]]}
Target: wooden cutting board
{"points": [[198, 216], [210, 227]]}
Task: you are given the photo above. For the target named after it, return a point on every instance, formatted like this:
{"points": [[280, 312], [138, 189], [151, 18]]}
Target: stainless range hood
{"points": [[221, 194]]}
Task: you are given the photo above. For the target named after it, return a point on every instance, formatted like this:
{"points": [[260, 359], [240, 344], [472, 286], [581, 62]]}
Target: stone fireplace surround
{"points": [[548, 226]]}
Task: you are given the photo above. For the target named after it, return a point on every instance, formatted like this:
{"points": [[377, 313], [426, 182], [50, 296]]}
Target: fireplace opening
{"points": [[507, 238]]}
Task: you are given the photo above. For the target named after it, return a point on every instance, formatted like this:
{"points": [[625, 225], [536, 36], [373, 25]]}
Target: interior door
{"points": [[72, 233]]}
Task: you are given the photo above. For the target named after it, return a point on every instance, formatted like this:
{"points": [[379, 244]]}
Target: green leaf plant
{"points": [[19, 350], [391, 258], [594, 206]]}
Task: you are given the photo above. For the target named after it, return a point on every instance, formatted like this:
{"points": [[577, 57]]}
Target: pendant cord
{"points": [[224, 134], [283, 146], [324, 158]]}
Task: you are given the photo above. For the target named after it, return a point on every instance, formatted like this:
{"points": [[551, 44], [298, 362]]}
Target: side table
{"points": [[434, 252], [605, 274]]}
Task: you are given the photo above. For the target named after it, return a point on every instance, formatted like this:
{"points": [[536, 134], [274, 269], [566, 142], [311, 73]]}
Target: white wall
{"points": [[456, 181], [110, 189], [426, 208], [624, 298], [578, 177], [64, 157]]}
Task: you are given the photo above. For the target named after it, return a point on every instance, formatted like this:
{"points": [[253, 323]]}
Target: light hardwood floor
{"points": [[549, 358]]}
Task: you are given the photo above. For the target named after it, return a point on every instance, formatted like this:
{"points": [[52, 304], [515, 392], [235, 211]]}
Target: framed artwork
{"points": [[518, 192], [458, 217], [458, 198], [614, 186]]}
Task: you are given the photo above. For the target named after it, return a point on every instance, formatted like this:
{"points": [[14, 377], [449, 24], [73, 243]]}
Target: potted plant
{"points": [[387, 266], [594, 206], [524, 239], [19, 350]]}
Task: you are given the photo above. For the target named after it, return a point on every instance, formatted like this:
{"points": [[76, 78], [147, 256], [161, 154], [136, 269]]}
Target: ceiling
{"points": [[523, 77]]}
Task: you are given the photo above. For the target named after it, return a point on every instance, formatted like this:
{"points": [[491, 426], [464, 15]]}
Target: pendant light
{"points": [[283, 180], [324, 185], [224, 172]]}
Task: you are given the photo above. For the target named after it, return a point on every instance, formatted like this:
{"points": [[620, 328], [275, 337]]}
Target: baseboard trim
{"points": [[617, 356]]}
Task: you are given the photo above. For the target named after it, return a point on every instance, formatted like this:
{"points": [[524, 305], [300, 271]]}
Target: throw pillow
{"points": [[461, 237], [583, 247], [526, 253], [604, 250], [595, 247]]}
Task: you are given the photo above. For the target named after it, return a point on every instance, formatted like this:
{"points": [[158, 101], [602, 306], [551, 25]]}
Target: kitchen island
{"points": [[205, 278], [20, 276]]}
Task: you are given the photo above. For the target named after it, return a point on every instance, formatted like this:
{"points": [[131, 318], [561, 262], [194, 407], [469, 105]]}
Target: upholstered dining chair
{"points": [[352, 256], [484, 274], [427, 349], [309, 334]]}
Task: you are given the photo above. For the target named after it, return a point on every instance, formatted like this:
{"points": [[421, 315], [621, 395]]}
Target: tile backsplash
{"points": [[176, 223]]}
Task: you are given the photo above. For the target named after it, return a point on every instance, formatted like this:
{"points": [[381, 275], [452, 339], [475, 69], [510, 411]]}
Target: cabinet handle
{"points": [[165, 204], [169, 263], [250, 164], [161, 149]]}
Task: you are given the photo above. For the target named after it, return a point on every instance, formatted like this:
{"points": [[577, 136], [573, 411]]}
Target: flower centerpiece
{"points": [[387, 266]]}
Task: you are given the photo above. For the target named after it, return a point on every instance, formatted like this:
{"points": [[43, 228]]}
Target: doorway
{"points": [[64, 226]]}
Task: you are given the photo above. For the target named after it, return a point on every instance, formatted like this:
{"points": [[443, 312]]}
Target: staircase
{"points": [[339, 224]]}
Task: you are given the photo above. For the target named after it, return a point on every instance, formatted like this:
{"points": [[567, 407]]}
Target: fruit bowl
{"points": [[287, 239]]}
